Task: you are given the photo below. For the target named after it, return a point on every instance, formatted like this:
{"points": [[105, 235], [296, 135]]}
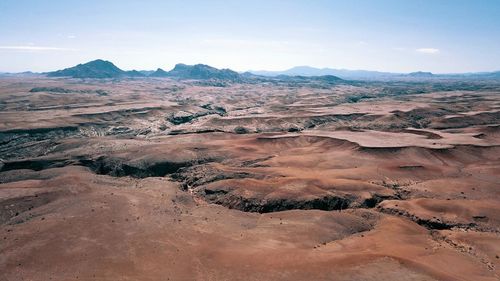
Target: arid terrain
{"points": [[273, 179]]}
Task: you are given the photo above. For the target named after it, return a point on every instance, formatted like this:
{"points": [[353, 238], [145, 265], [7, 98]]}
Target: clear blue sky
{"points": [[390, 35]]}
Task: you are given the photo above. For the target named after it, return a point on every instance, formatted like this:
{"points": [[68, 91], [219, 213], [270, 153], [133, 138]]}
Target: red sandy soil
{"points": [[155, 179]]}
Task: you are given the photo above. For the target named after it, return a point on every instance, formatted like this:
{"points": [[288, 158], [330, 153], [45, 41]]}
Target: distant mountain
{"points": [[134, 73], [342, 73], [19, 74], [297, 71], [421, 74], [492, 75], [159, 73], [326, 78], [94, 69], [374, 75], [146, 72], [305, 79], [105, 69], [202, 71]]}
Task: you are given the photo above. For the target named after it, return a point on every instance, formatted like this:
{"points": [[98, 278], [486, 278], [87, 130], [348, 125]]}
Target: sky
{"points": [[445, 36]]}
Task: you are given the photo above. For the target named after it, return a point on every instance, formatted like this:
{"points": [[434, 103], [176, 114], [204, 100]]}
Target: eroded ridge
{"points": [[293, 180]]}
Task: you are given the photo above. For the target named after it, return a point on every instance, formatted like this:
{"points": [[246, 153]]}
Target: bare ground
{"points": [[155, 179]]}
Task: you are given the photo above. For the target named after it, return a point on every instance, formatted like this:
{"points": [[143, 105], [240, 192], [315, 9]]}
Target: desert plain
{"points": [[164, 179]]}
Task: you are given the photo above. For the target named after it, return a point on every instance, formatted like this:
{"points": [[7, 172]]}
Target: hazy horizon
{"points": [[263, 70], [388, 36]]}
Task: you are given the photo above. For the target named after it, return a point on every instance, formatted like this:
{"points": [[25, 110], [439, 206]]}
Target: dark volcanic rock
{"points": [[60, 90], [180, 117], [232, 201], [241, 130]]}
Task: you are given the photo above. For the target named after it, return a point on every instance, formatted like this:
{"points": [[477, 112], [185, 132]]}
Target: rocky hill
{"points": [[202, 71], [94, 69]]}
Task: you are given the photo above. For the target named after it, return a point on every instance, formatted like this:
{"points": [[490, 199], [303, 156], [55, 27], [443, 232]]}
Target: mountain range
{"points": [[94, 69], [105, 69], [373, 75]]}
